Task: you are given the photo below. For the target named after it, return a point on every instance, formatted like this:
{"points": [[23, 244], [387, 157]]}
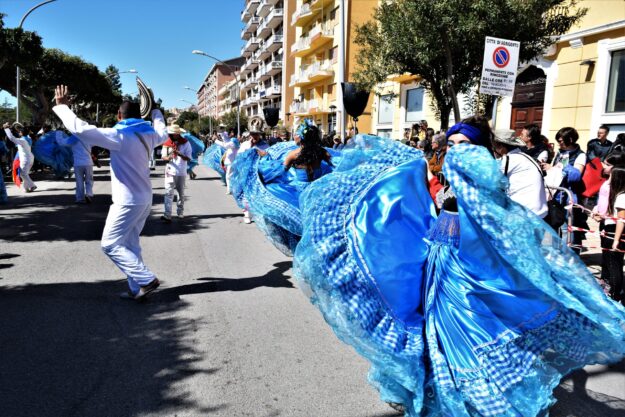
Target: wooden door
{"points": [[528, 99]]}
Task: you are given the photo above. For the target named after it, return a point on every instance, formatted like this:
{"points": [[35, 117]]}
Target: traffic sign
{"points": [[499, 67]]}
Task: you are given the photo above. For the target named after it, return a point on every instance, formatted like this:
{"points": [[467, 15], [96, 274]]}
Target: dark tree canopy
{"points": [[442, 41], [112, 75]]}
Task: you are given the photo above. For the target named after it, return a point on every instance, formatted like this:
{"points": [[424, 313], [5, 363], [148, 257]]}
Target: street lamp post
{"points": [[210, 119], [106, 77], [233, 69], [17, 71]]}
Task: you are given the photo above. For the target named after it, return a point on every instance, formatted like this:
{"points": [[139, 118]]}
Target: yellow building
{"points": [[319, 54], [578, 82]]}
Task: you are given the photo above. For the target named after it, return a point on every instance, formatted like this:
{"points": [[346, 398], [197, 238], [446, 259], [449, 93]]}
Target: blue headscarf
{"points": [[473, 133]]}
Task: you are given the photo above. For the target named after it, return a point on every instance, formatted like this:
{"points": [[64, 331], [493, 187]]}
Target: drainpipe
{"points": [[342, 49]]}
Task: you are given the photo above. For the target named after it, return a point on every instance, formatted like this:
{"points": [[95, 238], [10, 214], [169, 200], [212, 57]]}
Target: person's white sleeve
{"points": [[160, 126], [17, 141], [89, 134], [582, 159], [543, 156], [187, 150], [225, 145], [619, 202]]}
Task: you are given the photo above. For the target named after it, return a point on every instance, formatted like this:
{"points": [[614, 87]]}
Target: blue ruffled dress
{"points": [[48, 151], [197, 147], [271, 193], [212, 159], [478, 312]]}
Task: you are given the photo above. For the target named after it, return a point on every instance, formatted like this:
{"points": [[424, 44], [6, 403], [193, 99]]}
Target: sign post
{"points": [[501, 60]]}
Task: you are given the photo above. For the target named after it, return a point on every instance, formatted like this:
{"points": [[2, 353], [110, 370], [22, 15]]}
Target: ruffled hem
{"points": [[212, 159], [328, 272], [49, 152]]}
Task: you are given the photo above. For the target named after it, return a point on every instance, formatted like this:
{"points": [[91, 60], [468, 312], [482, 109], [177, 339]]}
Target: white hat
{"points": [[173, 130]]}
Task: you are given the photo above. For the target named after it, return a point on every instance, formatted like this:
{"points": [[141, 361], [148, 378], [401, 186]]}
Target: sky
{"points": [[155, 37]]}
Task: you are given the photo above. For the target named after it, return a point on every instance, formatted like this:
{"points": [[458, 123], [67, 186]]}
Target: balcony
{"points": [[301, 47], [304, 14], [299, 79], [251, 7], [263, 29], [263, 52], [274, 67], [321, 34], [264, 8], [320, 71], [273, 92], [272, 2], [245, 16], [251, 45], [253, 62], [252, 25], [245, 52], [274, 43], [245, 34], [275, 18]]}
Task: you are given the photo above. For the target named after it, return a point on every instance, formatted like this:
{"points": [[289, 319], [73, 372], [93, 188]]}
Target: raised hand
{"points": [[61, 95]]}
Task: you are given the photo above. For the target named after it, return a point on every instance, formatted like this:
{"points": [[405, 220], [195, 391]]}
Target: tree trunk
{"points": [[450, 77]]}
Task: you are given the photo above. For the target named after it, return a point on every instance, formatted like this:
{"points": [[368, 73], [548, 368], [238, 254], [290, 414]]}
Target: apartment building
{"points": [[261, 73], [228, 99], [321, 54], [219, 75]]}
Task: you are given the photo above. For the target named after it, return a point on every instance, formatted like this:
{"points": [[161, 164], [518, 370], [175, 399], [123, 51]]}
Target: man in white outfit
{"points": [[177, 152], [130, 143], [25, 154], [83, 166], [231, 145]]}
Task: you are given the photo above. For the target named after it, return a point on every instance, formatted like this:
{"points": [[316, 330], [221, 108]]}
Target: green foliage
{"points": [[443, 40], [186, 117], [112, 75], [229, 120], [21, 47], [7, 112]]}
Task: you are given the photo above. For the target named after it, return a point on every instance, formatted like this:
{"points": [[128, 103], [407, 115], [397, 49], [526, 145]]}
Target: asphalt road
{"points": [[229, 334]]}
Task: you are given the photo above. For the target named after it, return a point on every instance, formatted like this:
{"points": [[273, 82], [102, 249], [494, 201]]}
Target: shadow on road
{"points": [[55, 217], [276, 278], [77, 350], [575, 400]]}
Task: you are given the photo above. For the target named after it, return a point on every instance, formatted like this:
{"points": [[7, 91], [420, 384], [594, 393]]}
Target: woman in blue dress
{"points": [[272, 181], [471, 308]]}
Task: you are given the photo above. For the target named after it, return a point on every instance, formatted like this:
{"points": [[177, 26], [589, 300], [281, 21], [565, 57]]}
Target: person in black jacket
{"points": [[600, 146]]}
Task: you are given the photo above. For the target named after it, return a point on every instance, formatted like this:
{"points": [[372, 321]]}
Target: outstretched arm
{"points": [[91, 135]]}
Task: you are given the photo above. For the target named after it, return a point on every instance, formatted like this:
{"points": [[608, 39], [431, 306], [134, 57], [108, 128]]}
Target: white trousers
{"points": [[120, 242], [25, 167], [173, 184], [228, 175], [84, 179]]}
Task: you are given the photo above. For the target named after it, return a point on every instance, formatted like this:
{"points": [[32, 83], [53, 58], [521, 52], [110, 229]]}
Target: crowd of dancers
{"points": [[464, 301]]}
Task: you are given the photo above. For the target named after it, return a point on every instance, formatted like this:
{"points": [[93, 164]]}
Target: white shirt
{"points": [[526, 185], [23, 147], [247, 145], [177, 166], [80, 150], [231, 150], [130, 174], [619, 204]]}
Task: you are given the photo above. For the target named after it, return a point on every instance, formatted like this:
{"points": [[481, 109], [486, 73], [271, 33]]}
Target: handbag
{"points": [[556, 213]]}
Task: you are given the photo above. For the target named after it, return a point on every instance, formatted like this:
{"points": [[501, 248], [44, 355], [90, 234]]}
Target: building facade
{"points": [[261, 73], [579, 81], [320, 54], [219, 75]]}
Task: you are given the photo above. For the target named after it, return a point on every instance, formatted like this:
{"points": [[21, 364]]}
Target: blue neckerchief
{"points": [[137, 125]]}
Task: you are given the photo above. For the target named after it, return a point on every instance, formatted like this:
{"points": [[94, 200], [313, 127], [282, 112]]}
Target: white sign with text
{"points": [[501, 60]]}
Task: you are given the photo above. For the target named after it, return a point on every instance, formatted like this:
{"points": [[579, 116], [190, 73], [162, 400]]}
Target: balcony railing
{"points": [[302, 44], [251, 6]]}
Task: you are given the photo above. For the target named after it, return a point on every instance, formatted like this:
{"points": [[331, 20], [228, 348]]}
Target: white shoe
{"points": [[247, 220]]}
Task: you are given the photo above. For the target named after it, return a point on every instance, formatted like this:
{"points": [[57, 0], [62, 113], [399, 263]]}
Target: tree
{"points": [[442, 41], [229, 120], [18, 46], [185, 117], [87, 84], [112, 75]]}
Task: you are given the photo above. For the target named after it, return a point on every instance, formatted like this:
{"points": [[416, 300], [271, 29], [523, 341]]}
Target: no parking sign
{"points": [[501, 60]]}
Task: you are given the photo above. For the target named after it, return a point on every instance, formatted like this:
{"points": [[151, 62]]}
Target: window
{"points": [[385, 109], [616, 83], [384, 133], [333, 54], [414, 105]]}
